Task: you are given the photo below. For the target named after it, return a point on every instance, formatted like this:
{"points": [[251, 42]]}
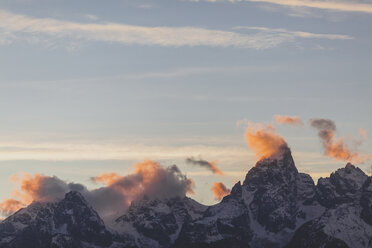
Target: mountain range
{"points": [[275, 206]]}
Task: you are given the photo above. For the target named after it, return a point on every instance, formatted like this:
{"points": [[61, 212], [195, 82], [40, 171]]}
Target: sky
{"points": [[88, 87]]}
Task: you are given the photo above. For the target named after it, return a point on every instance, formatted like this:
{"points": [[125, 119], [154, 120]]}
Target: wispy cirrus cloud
{"points": [[47, 30], [346, 6], [291, 35]]}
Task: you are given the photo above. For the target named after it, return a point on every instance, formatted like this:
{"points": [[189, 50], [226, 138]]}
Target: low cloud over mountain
{"points": [[148, 179]]}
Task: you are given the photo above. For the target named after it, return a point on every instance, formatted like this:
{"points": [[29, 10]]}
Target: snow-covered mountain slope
{"points": [[347, 220], [342, 186], [157, 223], [68, 223]]}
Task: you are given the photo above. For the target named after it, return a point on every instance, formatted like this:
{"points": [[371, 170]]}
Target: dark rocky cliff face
{"points": [[366, 201], [273, 186]]}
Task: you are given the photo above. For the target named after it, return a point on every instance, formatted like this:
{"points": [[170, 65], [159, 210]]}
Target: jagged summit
{"points": [[349, 178], [283, 159], [352, 175], [273, 170], [343, 186], [236, 191], [280, 154], [349, 165], [69, 223], [76, 197]]}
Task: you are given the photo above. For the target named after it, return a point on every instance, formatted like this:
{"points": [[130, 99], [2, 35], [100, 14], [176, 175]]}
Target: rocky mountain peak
{"points": [[344, 185], [76, 197], [278, 169], [351, 175], [68, 223], [350, 165], [283, 156], [236, 191]]}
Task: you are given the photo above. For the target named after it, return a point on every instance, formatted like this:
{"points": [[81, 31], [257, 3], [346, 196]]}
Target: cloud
{"points": [[328, 5], [203, 163], [288, 120], [263, 140], [292, 35], [162, 183], [106, 178], [149, 179], [242, 122], [363, 133], [219, 190], [345, 6], [40, 188], [9, 206], [335, 147], [51, 31]]}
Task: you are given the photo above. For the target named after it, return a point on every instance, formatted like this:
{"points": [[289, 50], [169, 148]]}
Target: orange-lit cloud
{"points": [[263, 140], [204, 163], [106, 178], [14, 178], [149, 179], [336, 147], [219, 190], [155, 180], [9, 206], [37, 188], [363, 133], [288, 120]]}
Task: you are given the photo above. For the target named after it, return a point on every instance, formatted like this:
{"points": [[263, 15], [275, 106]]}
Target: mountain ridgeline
{"points": [[276, 206]]}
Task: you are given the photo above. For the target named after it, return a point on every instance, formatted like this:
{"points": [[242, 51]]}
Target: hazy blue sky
{"points": [[92, 86]]}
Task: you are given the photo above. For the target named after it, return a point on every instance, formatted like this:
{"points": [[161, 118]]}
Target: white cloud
{"points": [[47, 30], [348, 6], [296, 34]]}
